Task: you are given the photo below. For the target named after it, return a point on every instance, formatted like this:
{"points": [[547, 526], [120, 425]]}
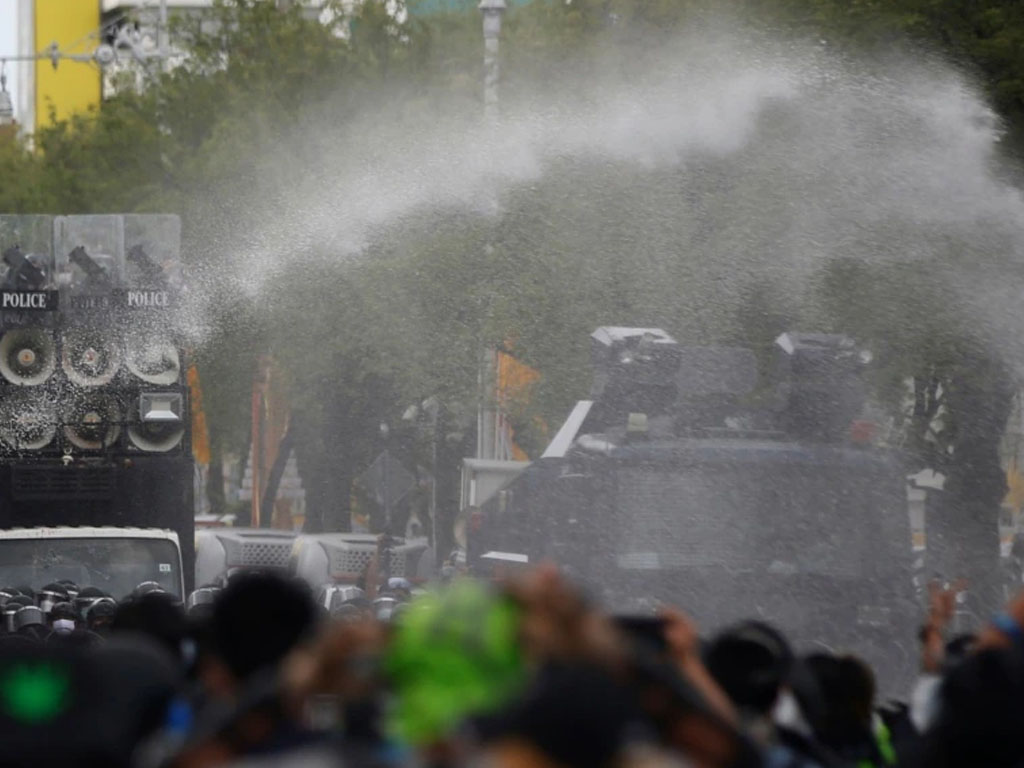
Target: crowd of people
{"points": [[516, 674]]}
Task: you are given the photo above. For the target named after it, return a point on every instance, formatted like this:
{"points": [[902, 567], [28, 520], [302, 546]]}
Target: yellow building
{"points": [[72, 86]]}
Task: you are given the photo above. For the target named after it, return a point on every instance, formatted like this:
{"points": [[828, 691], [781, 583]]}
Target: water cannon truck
{"points": [[94, 400], [683, 479]]}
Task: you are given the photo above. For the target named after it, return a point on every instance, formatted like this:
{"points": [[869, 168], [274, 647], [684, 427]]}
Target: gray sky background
{"points": [[9, 43]]}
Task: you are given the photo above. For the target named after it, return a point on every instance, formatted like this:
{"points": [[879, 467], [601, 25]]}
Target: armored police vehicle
{"points": [[682, 479], [94, 418]]}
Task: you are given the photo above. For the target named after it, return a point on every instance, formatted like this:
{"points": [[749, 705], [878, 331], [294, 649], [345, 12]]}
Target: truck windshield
{"points": [[114, 565]]}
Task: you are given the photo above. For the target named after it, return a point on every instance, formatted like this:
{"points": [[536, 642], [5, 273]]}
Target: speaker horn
{"points": [[89, 359], [158, 424], [28, 421], [27, 357], [155, 437], [93, 422], [154, 361]]}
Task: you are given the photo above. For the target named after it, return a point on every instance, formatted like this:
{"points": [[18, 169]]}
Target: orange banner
{"points": [[513, 381], [271, 416], [200, 433]]}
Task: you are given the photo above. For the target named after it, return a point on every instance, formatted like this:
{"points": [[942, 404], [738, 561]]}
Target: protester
{"points": [[527, 674], [753, 662], [258, 618]]}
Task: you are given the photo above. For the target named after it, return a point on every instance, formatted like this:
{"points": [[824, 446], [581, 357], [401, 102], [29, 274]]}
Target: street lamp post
{"points": [[492, 11], [433, 408], [385, 432], [164, 38]]}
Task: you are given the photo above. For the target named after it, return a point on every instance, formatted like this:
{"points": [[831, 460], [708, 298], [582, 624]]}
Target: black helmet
{"points": [[146, 588], [63, 617], [28, 616], [70, 587], [50, 595], [11, 607], [202, 596], [20, 601], [101, 613], [86, 597], [27, 591], [345, 596]]}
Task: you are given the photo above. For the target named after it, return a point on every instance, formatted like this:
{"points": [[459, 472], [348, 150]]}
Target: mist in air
{"points": [[709, 186], [710, 164]]}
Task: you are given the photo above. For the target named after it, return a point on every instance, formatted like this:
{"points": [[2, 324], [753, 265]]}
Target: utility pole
{"points": [[164, 37], [492, 11], [385, 432], [433, 408]]}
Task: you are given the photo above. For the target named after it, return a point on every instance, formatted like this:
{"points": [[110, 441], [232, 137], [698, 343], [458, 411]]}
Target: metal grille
{"points": [[266, 554], [350, 560], [256, 550], [398, 563], [83, 483], [356, 560]]}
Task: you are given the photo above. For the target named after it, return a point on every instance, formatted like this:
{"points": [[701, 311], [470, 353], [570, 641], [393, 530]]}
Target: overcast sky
{"points": [[9, 44]]}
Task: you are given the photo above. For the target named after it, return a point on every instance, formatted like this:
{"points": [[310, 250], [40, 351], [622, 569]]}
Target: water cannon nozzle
{"points": [[94, 272], [150, 271], [22, 274]]}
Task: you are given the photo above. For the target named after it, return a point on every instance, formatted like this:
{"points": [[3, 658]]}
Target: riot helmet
{"points": [[28, 616], [201, 596], [50, 595], [145, 588], [346, 595], [101, 614], [399, 587], [70, 587], [384, 608], [11, 607], [86, 597], [27, 591]]}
